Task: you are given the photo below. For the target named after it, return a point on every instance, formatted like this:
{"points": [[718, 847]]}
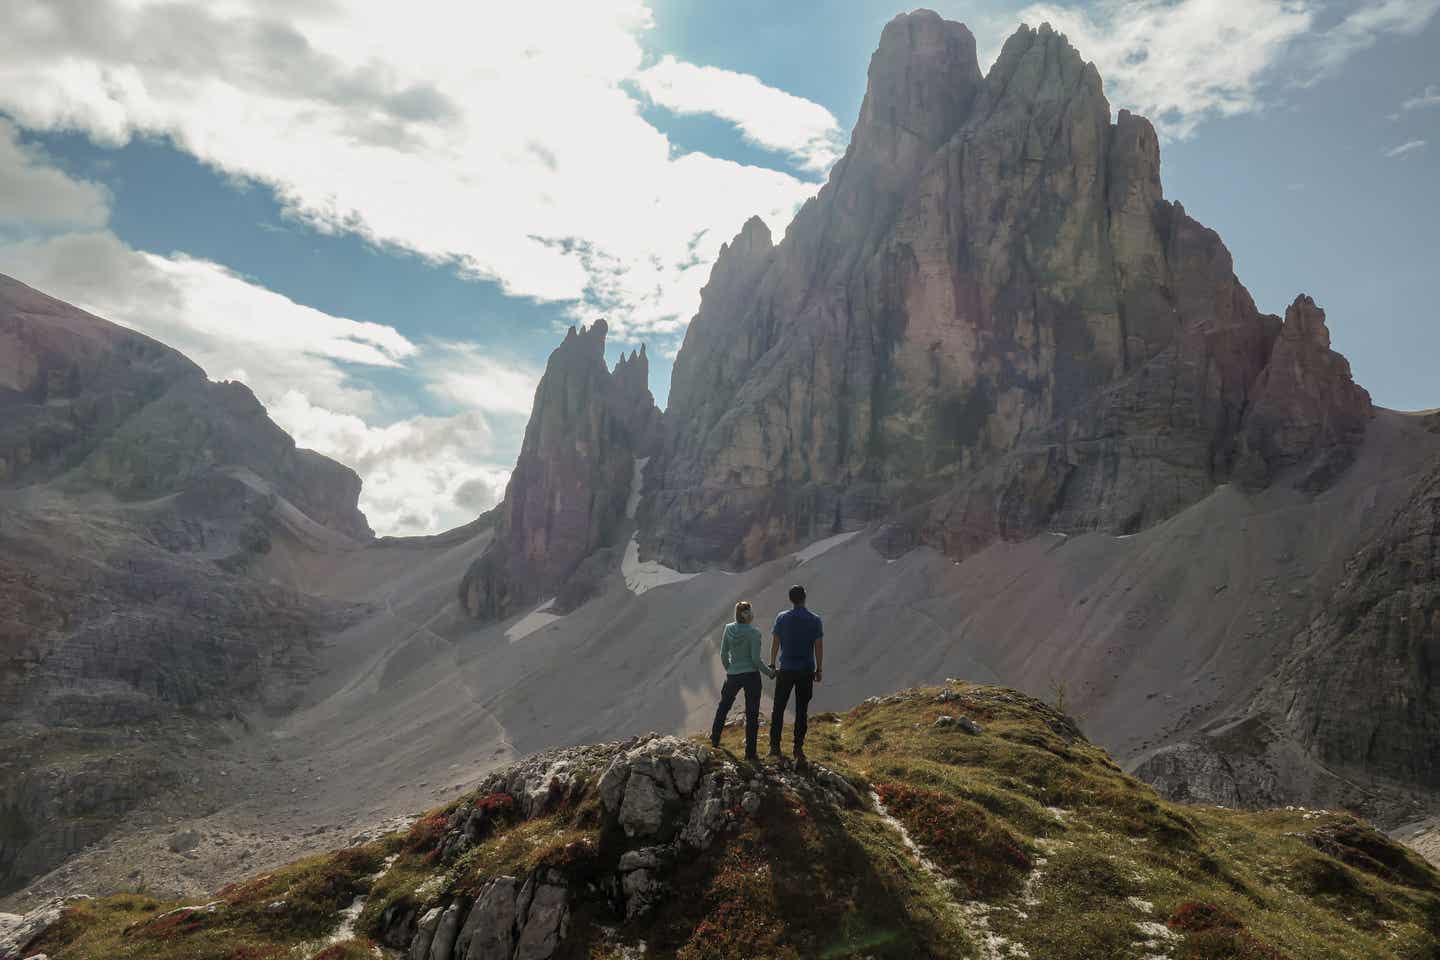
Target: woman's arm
{"points": [[755, 654], [725, 648]]}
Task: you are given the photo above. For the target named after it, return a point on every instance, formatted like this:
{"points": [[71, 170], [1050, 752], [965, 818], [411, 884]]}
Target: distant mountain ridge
{"points": [[94, 404]]}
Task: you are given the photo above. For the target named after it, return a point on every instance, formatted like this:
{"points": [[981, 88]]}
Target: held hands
{"points": [[816, 678]]}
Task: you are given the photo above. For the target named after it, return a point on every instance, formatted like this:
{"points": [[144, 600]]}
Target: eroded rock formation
{"points": [[568, 493], [989, 308]]}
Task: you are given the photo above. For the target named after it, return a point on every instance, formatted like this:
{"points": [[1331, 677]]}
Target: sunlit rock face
{"points": [[989, 314], [567, 495]]}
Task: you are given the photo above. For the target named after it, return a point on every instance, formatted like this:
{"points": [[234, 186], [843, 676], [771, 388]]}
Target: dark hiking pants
{"points": [[802, 684], [750, 683]]}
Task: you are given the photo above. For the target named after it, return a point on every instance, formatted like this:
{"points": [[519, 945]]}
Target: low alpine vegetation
{"points": [[953, 822]]}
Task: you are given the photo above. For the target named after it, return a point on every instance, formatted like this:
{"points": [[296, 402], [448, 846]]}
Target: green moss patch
{"points": [[267, 916], [971, 846]]}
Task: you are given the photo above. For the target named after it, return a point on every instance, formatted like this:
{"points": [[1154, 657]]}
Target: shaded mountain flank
{"points": [[1003, 408], [134, 493], [962, 821]]}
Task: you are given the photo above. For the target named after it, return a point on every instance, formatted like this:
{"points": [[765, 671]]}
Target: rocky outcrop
{"points": [[989, 316], [568, 493], [960, 836], [662, 801], [18, 930], [1305, 402], [1358, 690]]}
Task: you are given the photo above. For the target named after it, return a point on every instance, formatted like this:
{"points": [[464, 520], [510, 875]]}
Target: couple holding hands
{"points": [[797, 653]]}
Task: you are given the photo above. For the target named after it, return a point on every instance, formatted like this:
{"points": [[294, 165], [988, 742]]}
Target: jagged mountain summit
{"points": [[938, 822], [989, 317], [568, 493], [991, 314]]}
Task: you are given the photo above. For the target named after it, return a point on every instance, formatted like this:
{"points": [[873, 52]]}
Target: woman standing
{"points": [[740, 655]]}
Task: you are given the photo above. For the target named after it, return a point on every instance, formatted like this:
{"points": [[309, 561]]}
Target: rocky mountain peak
{"points": [[566, 497], [922, 80], [1305, 323], [1307, 407], [990, 305]]}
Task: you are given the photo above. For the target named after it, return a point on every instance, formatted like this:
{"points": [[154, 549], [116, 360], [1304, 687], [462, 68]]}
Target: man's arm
{"points": [[819, 657]]}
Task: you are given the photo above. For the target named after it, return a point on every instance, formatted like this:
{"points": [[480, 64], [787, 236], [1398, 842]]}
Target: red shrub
{"points": [[1193, 916]]}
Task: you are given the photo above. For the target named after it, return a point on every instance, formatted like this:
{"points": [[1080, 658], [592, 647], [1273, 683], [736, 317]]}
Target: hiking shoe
{"points": [[752, 758], [800, 759]]}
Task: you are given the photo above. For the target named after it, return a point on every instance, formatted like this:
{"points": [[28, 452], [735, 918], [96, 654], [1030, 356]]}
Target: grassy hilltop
{"points": [[964, 821]]}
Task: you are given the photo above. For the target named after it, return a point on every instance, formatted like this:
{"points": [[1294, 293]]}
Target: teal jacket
{"points": [[740, 650]]}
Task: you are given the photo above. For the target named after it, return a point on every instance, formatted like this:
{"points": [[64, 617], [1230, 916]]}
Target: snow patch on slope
{"points": [[640, 577], [637, 481], [532, 621], [824, 546]]}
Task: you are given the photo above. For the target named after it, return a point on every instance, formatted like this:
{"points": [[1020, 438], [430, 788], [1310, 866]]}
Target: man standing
{"points": [[798, 640]]}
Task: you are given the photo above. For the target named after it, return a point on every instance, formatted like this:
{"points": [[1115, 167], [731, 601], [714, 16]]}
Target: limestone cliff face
{"points": [[567, 495], [989, 317]]}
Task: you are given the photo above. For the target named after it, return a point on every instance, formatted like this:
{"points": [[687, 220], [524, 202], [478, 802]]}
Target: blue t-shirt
{"points": [[798, 630]]}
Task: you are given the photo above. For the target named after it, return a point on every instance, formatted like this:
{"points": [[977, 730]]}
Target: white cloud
{"points": [[1362, 27], [478, 134], [36, 195], [470, 376], [765, 116], [1181, 63], [1405, 148], [422, 474], [231, 327], [1429, 97]]}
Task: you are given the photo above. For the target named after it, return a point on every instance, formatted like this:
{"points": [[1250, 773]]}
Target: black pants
{"points": [[802, 682], [750, 683]]}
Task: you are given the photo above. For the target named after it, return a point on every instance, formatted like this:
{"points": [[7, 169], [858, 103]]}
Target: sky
{"points": [[382, 217]]}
